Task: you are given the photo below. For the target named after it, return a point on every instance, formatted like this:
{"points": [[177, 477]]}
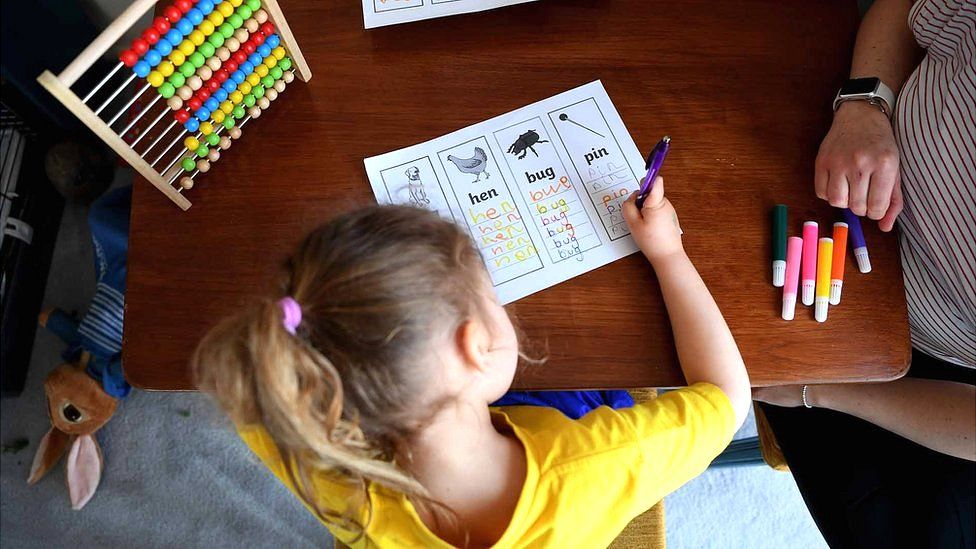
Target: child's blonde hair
{"points": [[343, 393]]}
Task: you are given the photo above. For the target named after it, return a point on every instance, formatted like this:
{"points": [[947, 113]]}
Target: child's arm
{"points": [[705, 346]]}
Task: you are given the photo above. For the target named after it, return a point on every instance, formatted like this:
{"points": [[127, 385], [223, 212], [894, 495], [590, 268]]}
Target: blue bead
{"points": [[229, 85], [264, 49], [174, 37], [164, 47], [195, 16], [237, 77], [184, 26], [203, 113], [205, 6], [247, 67], [141, 69], [211, 104], [220, 95], [192, 125], [152, 57], [272, 40], [255, 59]]}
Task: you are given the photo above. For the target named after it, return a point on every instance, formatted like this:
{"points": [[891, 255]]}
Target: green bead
{"points": [[197, 59], [238, 112], [177, 79], [244, 11], [212, 138], [188, 164], [207, 49], [255, 5], [202, 151], [216, 40], [267, 81], [229, 122], [187, 70], [285, 63], [258, 91], [275, 72], [167, 90], [235, 20], [226, 30], [249, 100]]}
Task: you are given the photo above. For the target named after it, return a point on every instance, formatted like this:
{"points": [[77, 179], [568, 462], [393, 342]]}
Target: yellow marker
{"points": [[825, 251]]}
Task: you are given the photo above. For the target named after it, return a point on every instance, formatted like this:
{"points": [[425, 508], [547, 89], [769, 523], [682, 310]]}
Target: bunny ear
{"points": [[84, 470], [50, 450]]}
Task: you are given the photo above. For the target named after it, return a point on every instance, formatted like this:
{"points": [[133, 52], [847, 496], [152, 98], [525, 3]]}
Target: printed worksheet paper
{"points": [[379, 13], [539, 189]]}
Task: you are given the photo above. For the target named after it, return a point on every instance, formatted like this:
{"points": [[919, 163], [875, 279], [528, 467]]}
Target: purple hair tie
{"points": [[292, 312]]}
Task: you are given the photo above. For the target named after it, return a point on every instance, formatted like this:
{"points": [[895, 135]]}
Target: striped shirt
{"points": [[935, 128]]}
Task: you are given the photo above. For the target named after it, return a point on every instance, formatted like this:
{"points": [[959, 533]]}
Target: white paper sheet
{"points": [[539, 188], [379, 13]]}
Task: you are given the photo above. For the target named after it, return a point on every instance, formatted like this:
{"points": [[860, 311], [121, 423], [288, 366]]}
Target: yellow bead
{"points": [[177, 57], [253, 79], [270, 61], [215, 18], [278, 52], [196, 37], [155, 79], [236, 3], [191, 143], [261, 70], [186, 47], [227, 107], [236, 97], [244, 88], [218, 116], [225, 9], [207, 28], [206, 128], [165, 68]]}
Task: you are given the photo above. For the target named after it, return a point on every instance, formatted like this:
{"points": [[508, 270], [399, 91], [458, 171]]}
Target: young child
{"points": [[364, 385]]}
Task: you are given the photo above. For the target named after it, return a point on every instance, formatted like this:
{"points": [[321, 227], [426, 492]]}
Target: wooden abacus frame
{"points": [[60, 86]]}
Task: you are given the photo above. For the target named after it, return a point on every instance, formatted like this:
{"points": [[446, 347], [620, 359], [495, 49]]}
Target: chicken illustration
{"points": [[474, 165]]}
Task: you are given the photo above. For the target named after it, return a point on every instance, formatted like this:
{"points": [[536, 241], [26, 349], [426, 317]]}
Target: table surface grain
{"points": [[743, 88]]}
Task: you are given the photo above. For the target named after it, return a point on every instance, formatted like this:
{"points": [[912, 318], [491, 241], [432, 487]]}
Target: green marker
{"points": [[779, 245]]}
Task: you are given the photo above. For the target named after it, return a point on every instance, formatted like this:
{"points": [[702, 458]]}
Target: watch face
{"points": [[857, 86]]}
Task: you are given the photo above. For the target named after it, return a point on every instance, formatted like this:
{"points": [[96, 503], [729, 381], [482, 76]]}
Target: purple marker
{"points": [[654, 162], [857, 238]]}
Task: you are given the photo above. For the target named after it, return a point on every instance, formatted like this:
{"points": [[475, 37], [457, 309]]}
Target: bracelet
{"points": [[803, 395]]}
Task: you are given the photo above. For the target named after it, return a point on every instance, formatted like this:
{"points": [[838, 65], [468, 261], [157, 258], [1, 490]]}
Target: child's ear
{"points": [[473, 343]]}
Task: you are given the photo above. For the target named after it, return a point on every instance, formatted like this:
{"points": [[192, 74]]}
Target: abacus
{"points": [[214, 65]]}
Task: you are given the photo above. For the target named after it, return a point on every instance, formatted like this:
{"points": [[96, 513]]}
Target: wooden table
{"points": [[743, 88]]}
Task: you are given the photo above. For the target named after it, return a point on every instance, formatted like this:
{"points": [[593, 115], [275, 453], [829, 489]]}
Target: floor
{"points": [[175, 475]]}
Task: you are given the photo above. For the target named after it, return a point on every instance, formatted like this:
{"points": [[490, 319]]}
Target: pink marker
{"points": [[809, 264], [794, 247]]}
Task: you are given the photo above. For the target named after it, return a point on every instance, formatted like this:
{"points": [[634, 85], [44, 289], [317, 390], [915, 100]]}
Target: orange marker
{"points": [[837, 264]]}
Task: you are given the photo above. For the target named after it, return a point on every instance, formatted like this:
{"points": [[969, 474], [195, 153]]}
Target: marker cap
{"points": [[820, 309], [789, 306], [779, 273], [835, 288], [808, 288], [863, 260]]}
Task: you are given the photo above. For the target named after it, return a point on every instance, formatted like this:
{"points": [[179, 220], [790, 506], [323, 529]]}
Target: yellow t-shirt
{"points": [[585, 479]]}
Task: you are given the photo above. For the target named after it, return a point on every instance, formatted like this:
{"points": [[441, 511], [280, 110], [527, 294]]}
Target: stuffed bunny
{"points": [[78, 407]]}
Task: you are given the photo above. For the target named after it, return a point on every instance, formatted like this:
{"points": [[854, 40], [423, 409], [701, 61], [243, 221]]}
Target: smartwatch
{"points": [[872, 90]]}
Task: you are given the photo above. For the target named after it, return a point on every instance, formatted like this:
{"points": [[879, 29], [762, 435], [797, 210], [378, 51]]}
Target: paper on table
{"points": [[379, 13], [539, 189]]}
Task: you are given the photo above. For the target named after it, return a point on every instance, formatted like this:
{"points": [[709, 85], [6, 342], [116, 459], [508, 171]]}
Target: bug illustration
{"points": [[524, 143]]}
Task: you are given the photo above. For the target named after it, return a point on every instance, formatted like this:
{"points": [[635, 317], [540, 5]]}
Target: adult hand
{"points": [[857, 166], [787, 396]]}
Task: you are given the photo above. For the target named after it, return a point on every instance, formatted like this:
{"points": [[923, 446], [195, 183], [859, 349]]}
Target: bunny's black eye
{"points": [[71, 413]]}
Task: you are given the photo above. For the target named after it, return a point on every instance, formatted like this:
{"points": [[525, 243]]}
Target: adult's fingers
{"points": [[838, 189], [857, 200], [821, 175], [897, 203], [881, 186]]}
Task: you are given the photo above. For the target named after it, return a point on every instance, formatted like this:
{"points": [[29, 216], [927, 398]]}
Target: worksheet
{"points": [[379, 13], [539, 189]]}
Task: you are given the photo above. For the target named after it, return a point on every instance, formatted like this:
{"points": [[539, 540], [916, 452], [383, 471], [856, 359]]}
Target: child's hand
{"points": [[655, 226]]}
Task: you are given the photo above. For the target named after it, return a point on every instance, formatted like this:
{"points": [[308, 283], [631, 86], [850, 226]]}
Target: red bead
{"points": [[172, 14], [140, 46], [239, 56], [213, 85], [203, 94], [128, 58], [257, 38], [248, 48], [182, 116], [150, 35], [222, 76], [267, 28], [194, 103], [183, 5], [161, 25], [230, 65]]}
